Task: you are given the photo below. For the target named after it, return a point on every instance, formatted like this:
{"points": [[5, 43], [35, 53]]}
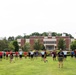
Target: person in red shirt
{"points": [[11, 56], [1, 53], [16, 54], [54, 54], [25, 54], [7, 54]]}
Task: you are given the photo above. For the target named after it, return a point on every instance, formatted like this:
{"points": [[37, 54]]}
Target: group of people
{"points": [[61, 55], [73, 53]]}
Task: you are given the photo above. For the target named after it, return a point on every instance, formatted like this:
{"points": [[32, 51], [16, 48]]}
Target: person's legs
{"points": [[62, 64], [59, 65]]}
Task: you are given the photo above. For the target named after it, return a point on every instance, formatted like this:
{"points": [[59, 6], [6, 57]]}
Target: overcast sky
{"points": [[27, 16]]}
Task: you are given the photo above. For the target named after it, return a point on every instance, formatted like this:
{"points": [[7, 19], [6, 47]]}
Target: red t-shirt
{"points": [[16, 53], [1, 53], [25, 53], [75, 52], [7, 53]]}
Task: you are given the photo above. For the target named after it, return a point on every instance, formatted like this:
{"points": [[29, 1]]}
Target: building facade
{"points": [[50, 42]]}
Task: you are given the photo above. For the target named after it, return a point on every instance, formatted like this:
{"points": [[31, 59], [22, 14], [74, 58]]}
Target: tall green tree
{"points": [[3, 44], [35, 34], [73, 45], [42, 47], [61, 44], [26, 47], [11, 46], [11, 38], [16, 46], [18, 37], [44, 34], [37, 45], [54, 33]]}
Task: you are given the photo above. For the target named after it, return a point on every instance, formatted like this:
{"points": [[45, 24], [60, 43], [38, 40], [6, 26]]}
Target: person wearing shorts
{"points": [[44, 55], [1, 53], [60, 58], [7, 53], [54, 55], [31, 54], [36, 53], [75, 53], [72, 54], [25, 54], [11, 56], [65, 54], [16, 54], [20, 54]]}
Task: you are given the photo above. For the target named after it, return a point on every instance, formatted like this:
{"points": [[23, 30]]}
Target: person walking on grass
{"points": [[11, 56], [60, 58], [44, 55], [54, 55]]}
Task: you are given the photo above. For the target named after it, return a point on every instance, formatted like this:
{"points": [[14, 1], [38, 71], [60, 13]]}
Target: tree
{"points": [[3, 44], [42, 47], [44, 34], [37, 45], [59, 34], [54, 33], [11, 46], [11, 38], [19, 37], [35, 34], [61, 44], [16, 46], [26, 47], [73, 45]]}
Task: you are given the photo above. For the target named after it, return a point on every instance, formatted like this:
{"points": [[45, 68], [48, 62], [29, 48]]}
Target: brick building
{"points": [[50, 42]]}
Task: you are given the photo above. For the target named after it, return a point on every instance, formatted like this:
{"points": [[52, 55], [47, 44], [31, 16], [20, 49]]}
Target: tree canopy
{"points": [[73, 45], [61, 44]]}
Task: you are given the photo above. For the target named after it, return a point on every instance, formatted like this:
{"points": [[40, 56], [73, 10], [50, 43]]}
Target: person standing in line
{"points": [[20, 54], [1, 54], [16, 55], [60, 58], [75, 53], [36, 53], [72, 54], [31, 54], [65, 54], [11, 56], [7, 53], [4, 54], [25, 54]]}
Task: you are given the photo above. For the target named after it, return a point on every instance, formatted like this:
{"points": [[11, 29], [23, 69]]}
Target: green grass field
{"points": [[37, 67]]}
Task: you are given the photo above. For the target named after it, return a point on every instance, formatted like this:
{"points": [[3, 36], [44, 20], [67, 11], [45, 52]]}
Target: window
{"points": [[49, 42]]}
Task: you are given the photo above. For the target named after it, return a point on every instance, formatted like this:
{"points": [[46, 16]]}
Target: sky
{"points": [[27, 16]]}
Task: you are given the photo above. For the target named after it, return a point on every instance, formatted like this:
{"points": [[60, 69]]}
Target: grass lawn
{"points": [[37, 67]]}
